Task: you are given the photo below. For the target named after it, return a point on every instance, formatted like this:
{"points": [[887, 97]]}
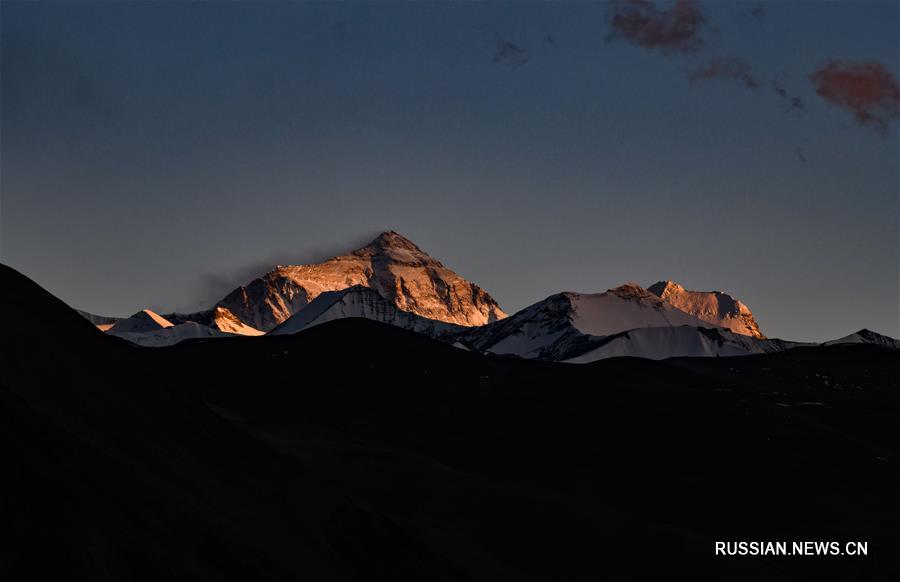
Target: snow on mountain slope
{"points": [[391, 264], [141, 322], [360, 301], [150, 329], [101, 322], [566, 323], [865, 336], [658, 343], [218, 318], [717, 308], [171, 335], [224, 320], [626, 307]]}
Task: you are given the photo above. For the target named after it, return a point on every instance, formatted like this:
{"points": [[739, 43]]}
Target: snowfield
{"points": [[360, 301]]}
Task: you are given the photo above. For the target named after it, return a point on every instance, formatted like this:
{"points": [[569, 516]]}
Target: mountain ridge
{"points": [[716, 307], [361, 302], [392, 280], [562, 325], [391, 264]]}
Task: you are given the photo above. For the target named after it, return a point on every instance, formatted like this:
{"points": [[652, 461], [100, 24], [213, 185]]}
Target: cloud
{"points": [[719, 68], [641, 23], [790, 102], [739, 70], [511, 54], [800, 154], [213, 286], [866, 89]]}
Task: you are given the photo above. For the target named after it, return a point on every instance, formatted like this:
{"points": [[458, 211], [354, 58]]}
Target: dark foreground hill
{"points": [[358, 451]]}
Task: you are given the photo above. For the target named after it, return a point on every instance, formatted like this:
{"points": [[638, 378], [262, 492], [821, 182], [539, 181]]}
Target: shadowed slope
{"points": [[359, 451], [31, 312]]}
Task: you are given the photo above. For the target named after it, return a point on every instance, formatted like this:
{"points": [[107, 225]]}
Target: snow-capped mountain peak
{"points": [[714, 307], [396, 247], [391, 264], [148, 328], [563, 325], [622, 308], [141, 322]]}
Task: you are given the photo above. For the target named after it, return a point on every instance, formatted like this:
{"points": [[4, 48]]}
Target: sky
{"points": [[158, 154]]}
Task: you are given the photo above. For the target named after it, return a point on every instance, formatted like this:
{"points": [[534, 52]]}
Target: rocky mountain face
{"points": [[715, 307], [391, 265], [222, 319]]}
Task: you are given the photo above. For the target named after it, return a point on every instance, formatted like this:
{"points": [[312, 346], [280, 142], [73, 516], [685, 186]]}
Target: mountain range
{"points": [[393, 281], [625, 321], [353, 450]]}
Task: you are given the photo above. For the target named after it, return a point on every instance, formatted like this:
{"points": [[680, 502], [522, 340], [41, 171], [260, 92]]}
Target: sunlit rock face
{"points": [[391, 264], [713, 307], [224, 320]]}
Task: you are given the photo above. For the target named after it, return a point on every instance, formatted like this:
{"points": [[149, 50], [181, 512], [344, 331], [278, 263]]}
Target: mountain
{"points": [[567, 324], [171, 335], [141, 322], [360, 301], [223, 319], [102, 322], [391, 264], [357, 451], [715, 307], [659, 343], [218, 318], [149, 329], [35, 313], [865, 336]]}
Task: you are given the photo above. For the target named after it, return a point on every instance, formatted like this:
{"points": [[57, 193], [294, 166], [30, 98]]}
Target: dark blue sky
{"points": [[153, 154]]}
